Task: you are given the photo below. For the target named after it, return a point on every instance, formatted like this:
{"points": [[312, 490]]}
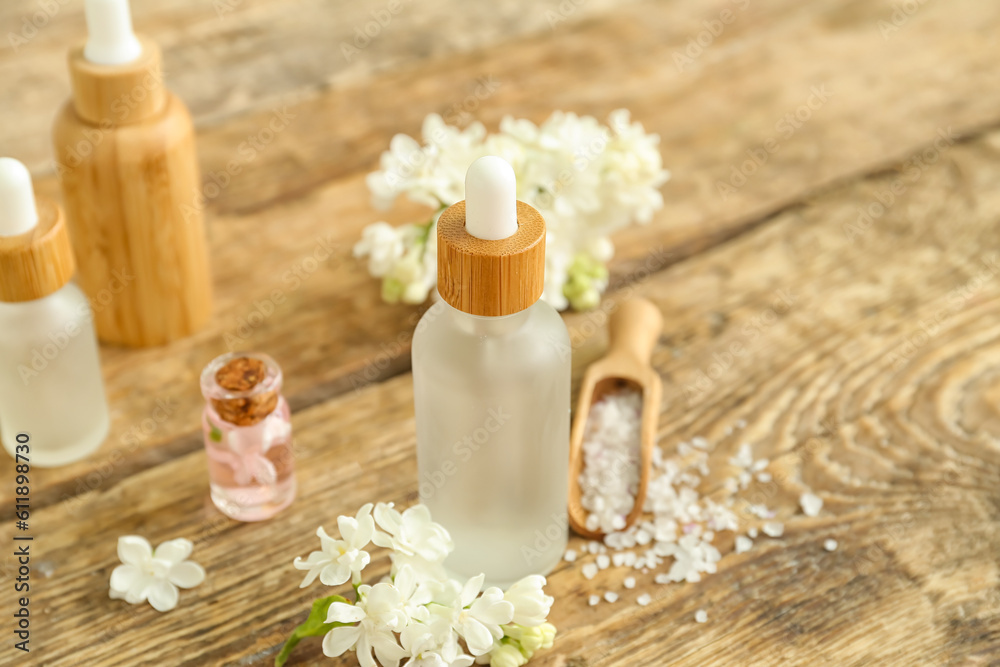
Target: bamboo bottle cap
{"points": [[38, 262], [112, 95], [491, 278]]}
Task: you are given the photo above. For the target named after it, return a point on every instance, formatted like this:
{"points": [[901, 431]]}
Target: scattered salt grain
{"points": [[774, 529], [701, 616], [610, 476], [764, 477], [752, 533], [611, 596], [811, 504], [594, 599], [603, 562], [629, 582], [743, 543], [570, 556], [830, 545], [644, 599], [590, 570], [593, 547], [741, 423], [699, 442]]}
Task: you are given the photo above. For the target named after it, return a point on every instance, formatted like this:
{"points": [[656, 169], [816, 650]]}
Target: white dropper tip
{"points": [[490, 199], [110, 40], [17, 199]]}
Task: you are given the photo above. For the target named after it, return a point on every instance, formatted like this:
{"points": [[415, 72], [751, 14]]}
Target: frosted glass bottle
{"points": [[51, 388], [492, 397], [491, 381]]}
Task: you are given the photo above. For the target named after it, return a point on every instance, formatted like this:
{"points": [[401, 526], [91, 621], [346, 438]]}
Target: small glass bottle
{"points": [[491, 379], [51, 390], [248, 436]]}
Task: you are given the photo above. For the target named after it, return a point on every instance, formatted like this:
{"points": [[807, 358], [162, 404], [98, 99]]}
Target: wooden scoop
{"points": [[633, 331]]}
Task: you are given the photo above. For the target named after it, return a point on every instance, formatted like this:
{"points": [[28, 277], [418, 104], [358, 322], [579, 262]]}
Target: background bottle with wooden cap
{"points": [[491, 380], [50, 376], [128, 169], [247, 428]]}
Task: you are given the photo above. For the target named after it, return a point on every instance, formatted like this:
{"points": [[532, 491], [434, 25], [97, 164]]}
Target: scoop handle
{"points": [[634, 329]]}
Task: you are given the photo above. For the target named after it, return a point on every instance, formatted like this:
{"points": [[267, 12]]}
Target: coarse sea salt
{"points": [[743, 544], [811, 504], [701, 616], [644, 599], [773, 529], [609, 480], [830, 545], [569, 556]]}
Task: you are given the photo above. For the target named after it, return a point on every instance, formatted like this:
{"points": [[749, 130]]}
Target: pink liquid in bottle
{"points": [[248, 436]]}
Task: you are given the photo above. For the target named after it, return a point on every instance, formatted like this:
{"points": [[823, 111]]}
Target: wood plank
{"points": [[230, 57], [305, 191], [840, 391]]}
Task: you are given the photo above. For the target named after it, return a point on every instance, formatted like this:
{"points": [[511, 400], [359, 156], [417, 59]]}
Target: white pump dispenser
{"points": [[110, 39], [491, 199], [17, 199]]}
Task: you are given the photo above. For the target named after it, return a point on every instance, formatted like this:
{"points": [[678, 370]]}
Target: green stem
{"points": [[314, 626]]}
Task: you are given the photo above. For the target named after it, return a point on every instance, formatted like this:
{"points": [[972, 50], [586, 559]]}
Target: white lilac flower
{"points": [[531, 604], [382, 244], [151, 575], [588, 180], [341, 560], [414, 538], [533, 639], [480, 619], [504, 655], [378, 614], [433, 643]]}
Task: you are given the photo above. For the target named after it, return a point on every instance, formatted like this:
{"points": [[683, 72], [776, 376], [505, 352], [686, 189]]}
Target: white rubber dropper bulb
{"points": [[18, 213], [490, 199], [110, 39]]}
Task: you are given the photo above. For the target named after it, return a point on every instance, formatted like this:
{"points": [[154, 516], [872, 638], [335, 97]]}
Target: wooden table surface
{"points": [[877, 386]]}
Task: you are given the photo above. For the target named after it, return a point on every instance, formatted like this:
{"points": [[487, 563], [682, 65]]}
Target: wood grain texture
{"points": [[491, 278], [867, 371], [901, 450], [38, 262], [134, 205]]}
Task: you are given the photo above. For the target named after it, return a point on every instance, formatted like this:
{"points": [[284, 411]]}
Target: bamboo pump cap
{"points": [[36, 257], [116, 77], [491, 247]]}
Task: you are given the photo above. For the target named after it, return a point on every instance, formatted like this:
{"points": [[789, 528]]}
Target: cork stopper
{"points": [[119, 94], [36, 257], [243, 388], [486, 277]]}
